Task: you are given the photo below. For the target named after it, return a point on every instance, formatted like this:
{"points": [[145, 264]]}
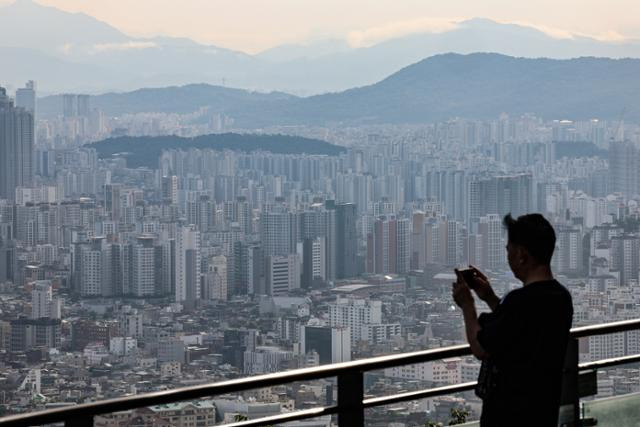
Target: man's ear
{"points": [[523, 254]]}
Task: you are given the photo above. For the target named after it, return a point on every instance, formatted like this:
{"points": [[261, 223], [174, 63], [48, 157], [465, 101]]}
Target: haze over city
{"points": [[195, 193]]}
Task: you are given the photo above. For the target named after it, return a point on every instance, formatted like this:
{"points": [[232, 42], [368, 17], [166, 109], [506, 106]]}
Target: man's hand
{"points": [[483, 289], [463, 297], [461, 292]]}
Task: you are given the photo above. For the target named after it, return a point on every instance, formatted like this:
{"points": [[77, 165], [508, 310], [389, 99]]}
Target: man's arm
{"points": [[483, 289], [492, 301], [472, 326], [463, 298]]}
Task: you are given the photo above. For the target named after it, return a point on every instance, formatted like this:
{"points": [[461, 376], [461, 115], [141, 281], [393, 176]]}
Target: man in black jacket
{"points": [[522, 342]]}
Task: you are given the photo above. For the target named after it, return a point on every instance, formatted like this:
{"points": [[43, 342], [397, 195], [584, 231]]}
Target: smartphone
{"points": [[469, 276]]}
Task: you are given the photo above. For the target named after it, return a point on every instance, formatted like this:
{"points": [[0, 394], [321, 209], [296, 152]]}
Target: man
{"points": [[522, 342]]}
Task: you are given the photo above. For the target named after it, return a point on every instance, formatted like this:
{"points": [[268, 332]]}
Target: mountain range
{"points": [[480, 85], [76, 52]]}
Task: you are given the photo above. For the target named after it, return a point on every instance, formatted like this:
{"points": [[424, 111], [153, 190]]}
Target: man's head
{"points": [[530, 244]]}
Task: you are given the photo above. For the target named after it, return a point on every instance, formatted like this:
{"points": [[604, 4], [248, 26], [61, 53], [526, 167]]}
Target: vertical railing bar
{"points": [[350, 399], [570, 395], [81, 421]]}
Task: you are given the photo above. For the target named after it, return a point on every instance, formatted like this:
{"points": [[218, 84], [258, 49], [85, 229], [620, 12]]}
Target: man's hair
{"points": [[534, 233]]}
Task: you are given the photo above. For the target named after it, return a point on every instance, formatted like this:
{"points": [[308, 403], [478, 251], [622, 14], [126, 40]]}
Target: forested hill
{"points": [[145, 150]]}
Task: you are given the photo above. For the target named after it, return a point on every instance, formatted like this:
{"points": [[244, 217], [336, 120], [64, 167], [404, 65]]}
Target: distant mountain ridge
{"points": [[144, 151], [173, 99], [76, 52], [437, 88], [484, 85]]}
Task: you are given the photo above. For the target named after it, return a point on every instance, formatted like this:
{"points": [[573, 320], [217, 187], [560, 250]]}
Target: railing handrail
{"points": [[305, 374], [605, 328]]}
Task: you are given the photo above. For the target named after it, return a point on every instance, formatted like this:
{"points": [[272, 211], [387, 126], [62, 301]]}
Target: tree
{"points": [[458, 416]]}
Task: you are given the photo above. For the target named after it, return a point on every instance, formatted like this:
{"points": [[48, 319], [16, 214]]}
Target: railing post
{"points": [[350, 397], [83, 421], [570, 397]]}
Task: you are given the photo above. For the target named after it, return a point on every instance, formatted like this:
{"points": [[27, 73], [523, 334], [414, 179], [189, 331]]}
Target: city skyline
{"points": [[205, 264]]}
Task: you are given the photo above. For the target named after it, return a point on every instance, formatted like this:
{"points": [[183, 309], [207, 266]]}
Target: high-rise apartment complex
{"points": [[500, 195], [624, 167], [170, 189], [492, 250], [26, 97], [43, 304], [187, 265], [215, 286], [389, 246], [95, 269], [347, 240], [277, 232], [74, 105], [282, 274], [625, 257], [16, 147], [143, 267]]}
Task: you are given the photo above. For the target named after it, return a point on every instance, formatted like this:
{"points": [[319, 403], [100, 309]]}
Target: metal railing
{"points": [[350, 403]]}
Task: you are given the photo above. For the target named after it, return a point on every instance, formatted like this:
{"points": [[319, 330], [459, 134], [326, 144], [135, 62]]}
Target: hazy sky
{"points": [[254, 25]]}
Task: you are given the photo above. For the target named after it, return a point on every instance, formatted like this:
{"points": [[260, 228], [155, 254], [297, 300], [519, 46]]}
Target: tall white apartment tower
{"points": [[403, 245], [276, 232], [95, 274], [144, 269], [41, 299], [16, 147], [26, 97], [187, 265], [283, 274], [215, 280], [493, 253], [170, 189]]}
